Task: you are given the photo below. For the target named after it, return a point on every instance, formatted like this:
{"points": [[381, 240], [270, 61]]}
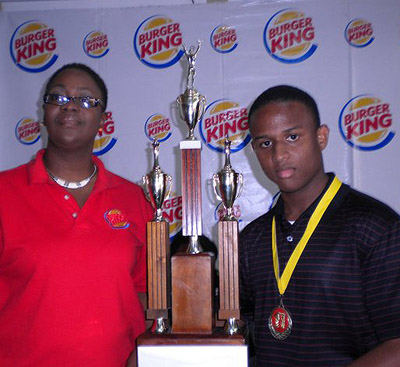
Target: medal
{"points": [[280, 322]]}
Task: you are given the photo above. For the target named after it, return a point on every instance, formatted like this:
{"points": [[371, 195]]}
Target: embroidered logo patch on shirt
{"points": [[116, 219]]}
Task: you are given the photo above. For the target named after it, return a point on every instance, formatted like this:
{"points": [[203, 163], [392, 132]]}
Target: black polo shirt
{"points": [[344, 294]]}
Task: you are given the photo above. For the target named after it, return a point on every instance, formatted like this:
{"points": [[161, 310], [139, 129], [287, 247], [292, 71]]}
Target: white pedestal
{"points": [[192, 356]]}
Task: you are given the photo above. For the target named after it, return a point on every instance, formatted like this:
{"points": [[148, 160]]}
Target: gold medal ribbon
{"points": [[316, 216]]}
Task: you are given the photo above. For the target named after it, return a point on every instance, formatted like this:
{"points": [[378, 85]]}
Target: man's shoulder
{"points": [[256, 226], [360, 203]]}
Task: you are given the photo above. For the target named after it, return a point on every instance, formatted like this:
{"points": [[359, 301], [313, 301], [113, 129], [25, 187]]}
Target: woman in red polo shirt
{"points": [[72, 241]]}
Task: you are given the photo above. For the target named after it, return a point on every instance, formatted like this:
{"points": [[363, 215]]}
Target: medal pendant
{"points": [[280, 322]]}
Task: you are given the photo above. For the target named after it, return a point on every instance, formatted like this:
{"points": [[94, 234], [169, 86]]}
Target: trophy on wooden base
{"points": [[157, 187], [192, 272], [228, 185]]}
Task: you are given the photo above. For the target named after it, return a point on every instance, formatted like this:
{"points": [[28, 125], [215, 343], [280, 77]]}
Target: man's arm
{"points": [[386, 354]]}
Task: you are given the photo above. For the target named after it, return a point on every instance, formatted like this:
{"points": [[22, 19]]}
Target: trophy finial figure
{"points": [[191, 54], [156, 151]]}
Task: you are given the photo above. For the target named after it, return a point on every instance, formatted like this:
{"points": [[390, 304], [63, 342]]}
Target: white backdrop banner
{"points": [[345, 53]]}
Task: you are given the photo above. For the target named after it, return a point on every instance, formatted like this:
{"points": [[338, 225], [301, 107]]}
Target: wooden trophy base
{"points": [[192, 293]]}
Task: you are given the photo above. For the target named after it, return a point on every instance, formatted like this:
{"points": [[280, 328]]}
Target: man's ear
{"points": [[323, 136]]}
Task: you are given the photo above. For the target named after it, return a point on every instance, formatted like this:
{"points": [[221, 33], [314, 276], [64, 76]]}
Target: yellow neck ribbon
{"points": [[319, 211]]}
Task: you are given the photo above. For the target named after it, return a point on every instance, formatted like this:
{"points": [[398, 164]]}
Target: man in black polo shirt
{"points": [[320, 271]]}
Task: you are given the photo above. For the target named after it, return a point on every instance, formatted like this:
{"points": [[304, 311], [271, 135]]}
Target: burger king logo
{"points": [[172, 212], [27, 131], [157, 127], [224, 118], [223, 39], [32, 47], [95, 44], [104, 140], [116, 219], [365, 122], [359, 33], [289, 36], [157, 42]]}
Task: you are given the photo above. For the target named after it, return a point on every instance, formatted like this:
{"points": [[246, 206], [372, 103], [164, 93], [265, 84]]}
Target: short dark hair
{"points": [[285, 93], [96, 77]]}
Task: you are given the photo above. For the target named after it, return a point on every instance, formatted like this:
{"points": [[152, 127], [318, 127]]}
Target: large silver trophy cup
{"points": [[157, 185], [191, 104], [228, 184]]}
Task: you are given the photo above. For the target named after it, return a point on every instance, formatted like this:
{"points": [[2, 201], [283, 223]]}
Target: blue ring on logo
{"points": [[23, 142], [145, 130], [217, 149], [384, 142], [24, 68], [220, 51], [93, 56], [351, 44], [312, 49], [106, 148], [156, 66]]}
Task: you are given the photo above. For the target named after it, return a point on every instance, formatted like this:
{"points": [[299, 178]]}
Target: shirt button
{"points": [[289, 238], [74, 215], [66, 196]]}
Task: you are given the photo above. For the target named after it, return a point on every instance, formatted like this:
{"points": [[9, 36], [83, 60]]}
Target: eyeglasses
{"points": [[84, 102]]}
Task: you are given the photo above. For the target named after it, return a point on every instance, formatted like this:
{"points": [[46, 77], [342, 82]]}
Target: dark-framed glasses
{"points": [[60, 100]]}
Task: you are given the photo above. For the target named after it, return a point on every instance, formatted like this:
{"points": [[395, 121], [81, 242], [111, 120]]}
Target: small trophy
{"points": [[157, 184], [157, 187], [191, 104], [227, 184]]}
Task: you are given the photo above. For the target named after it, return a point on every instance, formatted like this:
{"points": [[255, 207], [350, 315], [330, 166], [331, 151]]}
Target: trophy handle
{"points": [[145, 185], [215, 186], [240, 183], [169, 187]]}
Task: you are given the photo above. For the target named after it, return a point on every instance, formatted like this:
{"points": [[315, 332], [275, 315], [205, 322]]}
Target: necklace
{"points": [[72, 184], [280, 321]]}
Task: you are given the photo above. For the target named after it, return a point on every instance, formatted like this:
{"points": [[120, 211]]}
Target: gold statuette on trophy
{"points": [[191, 104]]}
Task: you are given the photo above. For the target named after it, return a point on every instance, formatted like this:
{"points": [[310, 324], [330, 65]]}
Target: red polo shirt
{"points": [[69, 276]]}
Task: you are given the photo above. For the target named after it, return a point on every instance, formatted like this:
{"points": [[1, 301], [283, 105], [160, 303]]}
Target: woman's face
{"points": [[70, 126]]}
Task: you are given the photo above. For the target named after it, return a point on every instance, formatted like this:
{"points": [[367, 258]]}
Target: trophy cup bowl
{"points": [[157, 188], [227, 185], [191, 107]]}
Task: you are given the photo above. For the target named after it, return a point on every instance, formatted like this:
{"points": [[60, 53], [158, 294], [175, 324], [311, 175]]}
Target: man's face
{"points": [[288, 145]]}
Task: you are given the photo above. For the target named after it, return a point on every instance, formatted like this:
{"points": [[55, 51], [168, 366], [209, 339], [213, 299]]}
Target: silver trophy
{"points": [[157, 185], [191, 104], [228, 184]]}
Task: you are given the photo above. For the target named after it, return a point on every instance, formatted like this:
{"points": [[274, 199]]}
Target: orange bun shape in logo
{"points": [[158, 127], [27, 131], [359, 33], [365, 123], [32, 47], [158, 42], [224, 118], [105, 140], [289, 36], [95, 44], [223, 39]]}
